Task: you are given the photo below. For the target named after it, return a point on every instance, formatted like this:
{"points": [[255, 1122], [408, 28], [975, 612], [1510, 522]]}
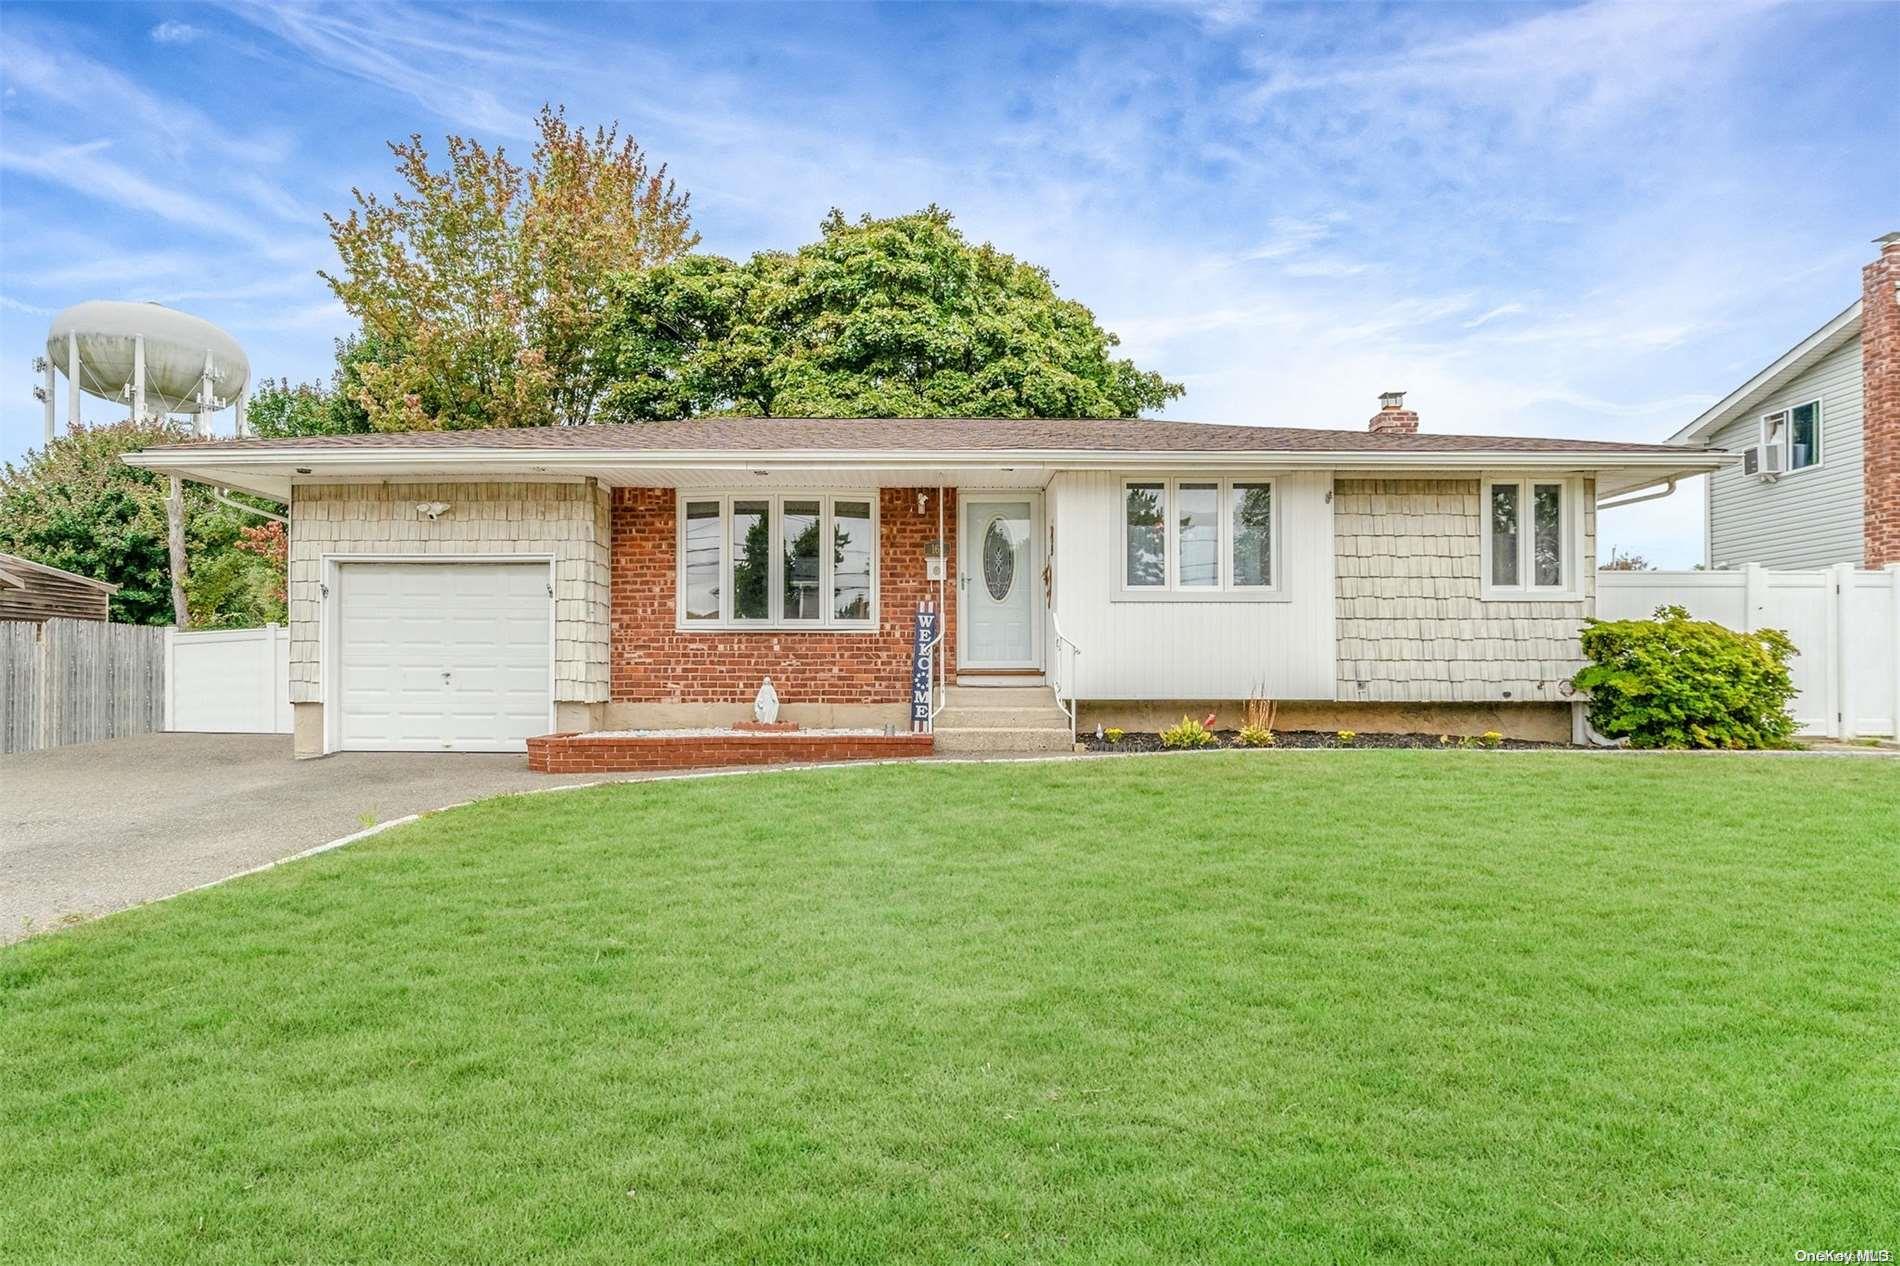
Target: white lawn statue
{"points": [[765, 707]]}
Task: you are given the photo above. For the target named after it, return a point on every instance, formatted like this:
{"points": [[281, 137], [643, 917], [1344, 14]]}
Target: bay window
{"points": [[787, 561], [1198, 537], [1529, 538]]}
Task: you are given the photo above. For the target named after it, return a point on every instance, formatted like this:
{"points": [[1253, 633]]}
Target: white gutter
{"points": [[337, 461]]}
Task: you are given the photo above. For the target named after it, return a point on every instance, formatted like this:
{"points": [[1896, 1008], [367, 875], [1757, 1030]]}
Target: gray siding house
{"points": [[1823, 485]]}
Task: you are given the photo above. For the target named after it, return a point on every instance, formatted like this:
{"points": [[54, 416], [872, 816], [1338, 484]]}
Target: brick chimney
{"points": [[1393, 418], [1880, 400]]}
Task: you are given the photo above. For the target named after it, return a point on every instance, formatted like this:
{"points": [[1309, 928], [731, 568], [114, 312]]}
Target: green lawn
{"points": [[1405, 1006]]}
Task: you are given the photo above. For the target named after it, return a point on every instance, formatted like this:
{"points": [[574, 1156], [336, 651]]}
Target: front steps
{"points": [[997, 719]]}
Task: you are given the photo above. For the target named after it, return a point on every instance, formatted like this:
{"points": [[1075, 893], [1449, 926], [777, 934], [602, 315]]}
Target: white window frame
{"points": [[1786, 442], [1571, 587], [775, 583], [1171, 590]]}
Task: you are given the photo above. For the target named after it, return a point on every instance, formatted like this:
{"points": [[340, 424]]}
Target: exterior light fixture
{"points": [[432, 510]]}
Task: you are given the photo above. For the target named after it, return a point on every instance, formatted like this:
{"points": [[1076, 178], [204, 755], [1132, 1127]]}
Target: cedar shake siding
{"points": [[567, 522], [654, 661], [1412, 624]]}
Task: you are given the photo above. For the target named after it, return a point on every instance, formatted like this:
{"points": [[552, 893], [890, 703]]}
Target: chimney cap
{"points": [[1391, 399], [1887, 239]]}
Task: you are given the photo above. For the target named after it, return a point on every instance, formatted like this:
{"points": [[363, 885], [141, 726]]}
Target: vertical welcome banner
{"points": [[923, 662]]}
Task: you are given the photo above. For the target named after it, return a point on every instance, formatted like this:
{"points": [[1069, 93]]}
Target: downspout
{"points": [[223, 497], [1667, 489]]}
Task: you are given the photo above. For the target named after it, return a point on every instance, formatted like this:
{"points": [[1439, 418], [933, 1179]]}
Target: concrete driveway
{"points": [[89, 829]]}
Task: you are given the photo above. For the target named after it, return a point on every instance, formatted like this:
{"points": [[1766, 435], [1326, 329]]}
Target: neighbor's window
{"points": [[1197, 535], [1527, 547], [1798, 431], [778, 561]]}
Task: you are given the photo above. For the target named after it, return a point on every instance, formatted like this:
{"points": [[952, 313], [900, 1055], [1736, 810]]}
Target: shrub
{"points": [[1490, 738], [1347, 737], [1255, 736], [1114, 734], [1677, 682], [1189, 733]]}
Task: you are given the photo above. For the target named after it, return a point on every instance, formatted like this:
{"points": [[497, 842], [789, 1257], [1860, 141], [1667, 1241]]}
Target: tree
{"points": [[281, 408], [878, 318], [1622, 560], [481, 289], [76, 505]]}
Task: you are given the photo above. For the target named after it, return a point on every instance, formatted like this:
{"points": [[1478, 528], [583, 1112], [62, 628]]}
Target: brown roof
{"points": [[934, 435]]}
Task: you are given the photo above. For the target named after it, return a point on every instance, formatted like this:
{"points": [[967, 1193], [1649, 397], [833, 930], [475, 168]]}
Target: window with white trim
{"points": [[778, 561], [1529, 537], [1798, 432], [1198, 535]]}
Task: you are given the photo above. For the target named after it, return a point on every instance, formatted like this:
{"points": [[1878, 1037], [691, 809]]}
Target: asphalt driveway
{"points": [[89, 829]]}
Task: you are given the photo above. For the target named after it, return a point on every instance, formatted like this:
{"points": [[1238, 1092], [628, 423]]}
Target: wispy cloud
{"points": [[174, 32]]}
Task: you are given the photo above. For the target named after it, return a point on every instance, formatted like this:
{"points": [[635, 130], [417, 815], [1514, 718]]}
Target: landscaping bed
{"points": [[1151, 742]]}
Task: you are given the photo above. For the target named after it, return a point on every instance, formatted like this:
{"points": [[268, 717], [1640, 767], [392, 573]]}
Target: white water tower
{"points": [[156, 360]]}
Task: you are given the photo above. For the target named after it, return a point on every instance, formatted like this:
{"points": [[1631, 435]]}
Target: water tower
{"points": [[156, 360]]}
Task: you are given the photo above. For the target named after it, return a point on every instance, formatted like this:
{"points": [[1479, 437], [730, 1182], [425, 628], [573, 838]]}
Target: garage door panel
{"points": [[403, 626]]}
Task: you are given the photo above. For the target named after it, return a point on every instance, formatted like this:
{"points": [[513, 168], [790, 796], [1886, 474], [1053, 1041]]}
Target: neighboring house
{"points": [[1823, 483], [470, 589], [34, 591]]}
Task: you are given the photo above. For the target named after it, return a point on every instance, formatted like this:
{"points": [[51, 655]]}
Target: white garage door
{"points": [[438, 657]]}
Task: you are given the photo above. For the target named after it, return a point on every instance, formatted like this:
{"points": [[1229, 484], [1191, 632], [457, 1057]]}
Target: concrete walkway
{"points": [[94, 828]]}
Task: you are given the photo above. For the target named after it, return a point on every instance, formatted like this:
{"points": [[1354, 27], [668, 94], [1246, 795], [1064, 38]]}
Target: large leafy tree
{"points": [[877, 318], [280, 408], [76, 505], [480, 288]]}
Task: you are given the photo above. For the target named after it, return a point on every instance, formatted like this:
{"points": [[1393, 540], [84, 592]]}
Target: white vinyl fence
{"points": [[228, 681], [1845, 623], [78, 681]]}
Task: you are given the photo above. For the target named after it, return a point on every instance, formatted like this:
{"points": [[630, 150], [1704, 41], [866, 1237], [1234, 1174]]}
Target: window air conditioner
{"points": [[1763, 461]]}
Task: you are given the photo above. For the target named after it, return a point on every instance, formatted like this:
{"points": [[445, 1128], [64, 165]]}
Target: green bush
{"points": [[1189, 733], [1255, 736], [1677, 682]]}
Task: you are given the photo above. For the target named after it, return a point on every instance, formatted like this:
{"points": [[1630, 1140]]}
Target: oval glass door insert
{"points": [[999, 560]]}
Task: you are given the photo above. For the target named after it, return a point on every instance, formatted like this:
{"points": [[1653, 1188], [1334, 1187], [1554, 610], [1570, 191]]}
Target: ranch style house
{"points": [[471, 590]]}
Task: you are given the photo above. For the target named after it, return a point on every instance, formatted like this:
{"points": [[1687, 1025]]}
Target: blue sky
{"points": [[1587, 220]]}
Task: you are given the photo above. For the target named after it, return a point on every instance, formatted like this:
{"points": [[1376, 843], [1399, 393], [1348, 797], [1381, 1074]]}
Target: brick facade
{"points": [[1880, 398], [653, 661]]}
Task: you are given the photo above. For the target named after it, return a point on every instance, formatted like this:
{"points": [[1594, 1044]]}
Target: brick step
{"points": [[984, 739]]}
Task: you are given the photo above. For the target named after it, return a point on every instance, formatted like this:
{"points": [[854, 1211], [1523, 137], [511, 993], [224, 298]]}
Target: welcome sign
{"points": [[923, 662]]}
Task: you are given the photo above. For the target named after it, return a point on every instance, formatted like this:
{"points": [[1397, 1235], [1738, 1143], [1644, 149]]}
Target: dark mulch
{"points": [[1133, 742]]}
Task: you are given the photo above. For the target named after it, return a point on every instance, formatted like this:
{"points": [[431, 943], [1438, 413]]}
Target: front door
{"points": [[999, 582]]}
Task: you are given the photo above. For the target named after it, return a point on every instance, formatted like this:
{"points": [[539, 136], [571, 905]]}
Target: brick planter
{"points": [[587, 754]]}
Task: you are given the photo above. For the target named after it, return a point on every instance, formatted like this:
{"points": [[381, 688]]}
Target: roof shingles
{"points": [[925, 435]]}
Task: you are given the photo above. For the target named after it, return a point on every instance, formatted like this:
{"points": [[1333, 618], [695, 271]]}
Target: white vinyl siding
{"points": [[1808, 518], [1195, 643]]}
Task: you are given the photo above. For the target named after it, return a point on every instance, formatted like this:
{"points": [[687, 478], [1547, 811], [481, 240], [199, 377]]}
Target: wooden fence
{"points": [[78, 681]]}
